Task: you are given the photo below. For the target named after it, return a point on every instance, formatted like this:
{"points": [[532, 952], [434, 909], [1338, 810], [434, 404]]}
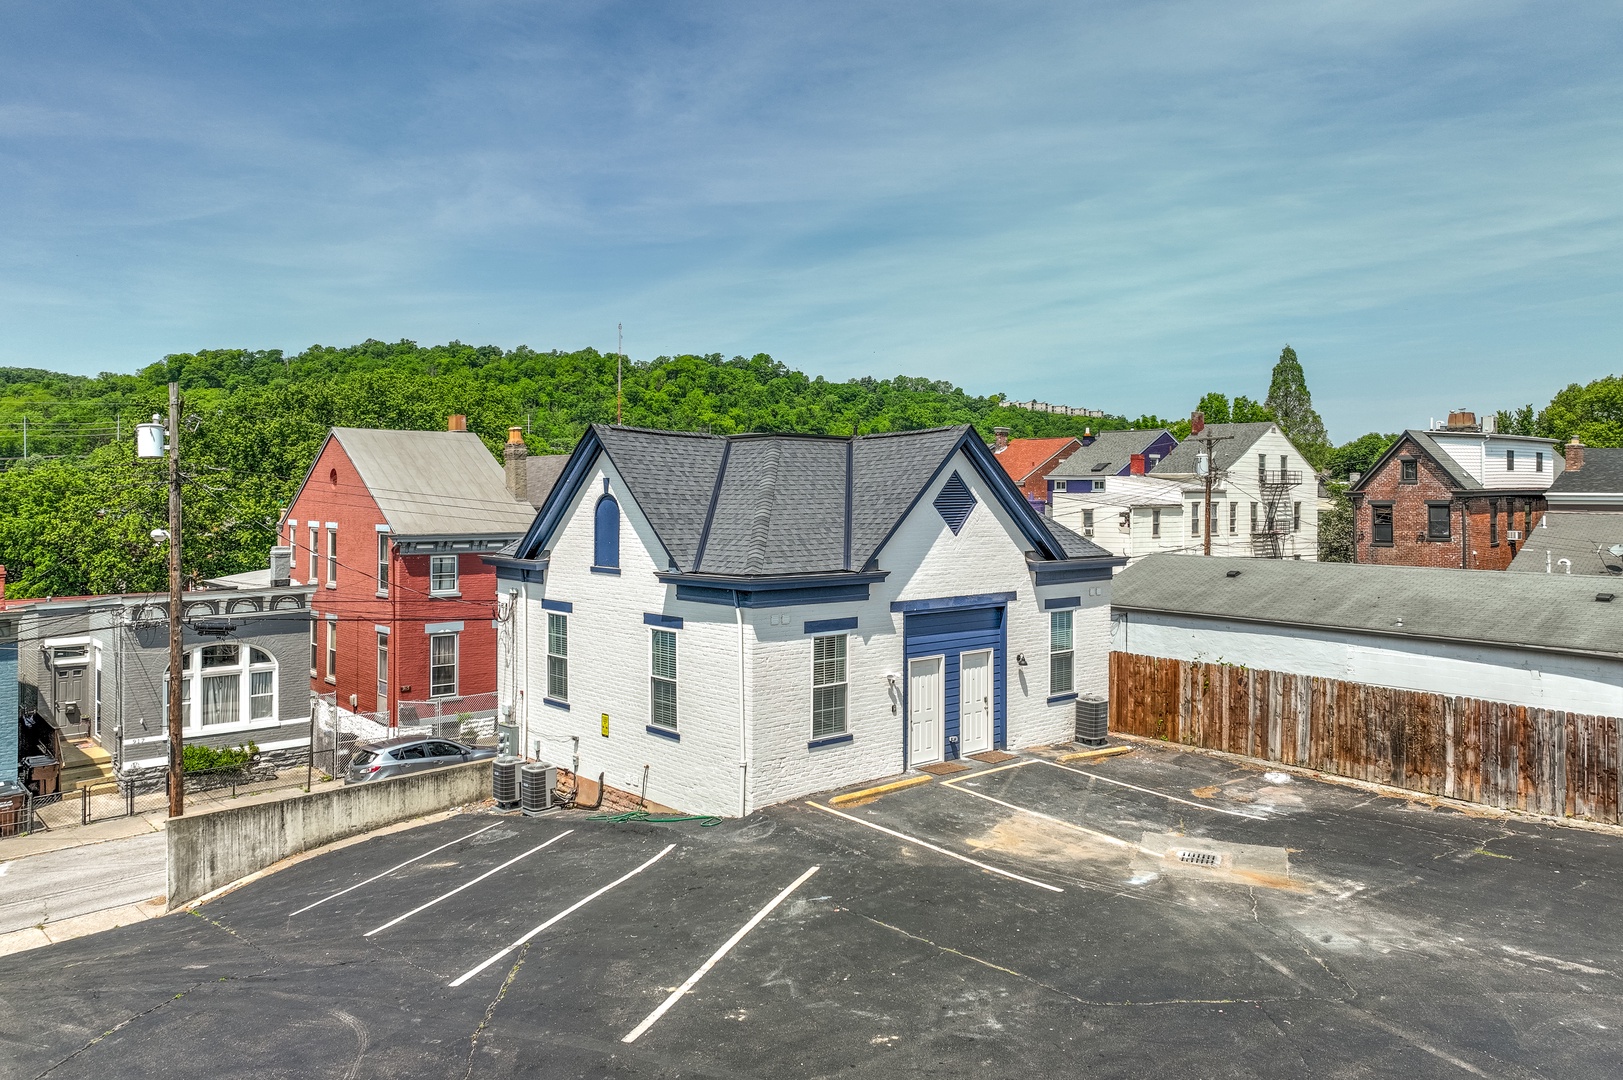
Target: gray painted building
{"points": [[97, 666]]}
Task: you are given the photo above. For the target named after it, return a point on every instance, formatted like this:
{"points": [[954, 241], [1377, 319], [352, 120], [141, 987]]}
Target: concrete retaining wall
{"points": [[216, 848]]}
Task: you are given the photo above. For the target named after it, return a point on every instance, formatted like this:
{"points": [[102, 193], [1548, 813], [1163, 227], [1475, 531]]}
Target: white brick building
{"points": [[722, 623]]}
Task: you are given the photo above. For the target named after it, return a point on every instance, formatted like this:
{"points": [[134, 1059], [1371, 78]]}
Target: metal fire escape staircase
{"points": [[1274, 489]]}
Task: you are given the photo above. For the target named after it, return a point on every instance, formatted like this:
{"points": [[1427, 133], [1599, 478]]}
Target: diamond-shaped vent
{"points": [[955, 502]]}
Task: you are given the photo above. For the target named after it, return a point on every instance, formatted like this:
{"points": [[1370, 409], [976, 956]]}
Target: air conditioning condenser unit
{"points": [[536, 781]]}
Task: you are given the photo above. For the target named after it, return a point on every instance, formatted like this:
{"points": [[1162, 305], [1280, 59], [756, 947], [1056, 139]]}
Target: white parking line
{"points": [[391, 870], [676, 995], [1159, 794], [989, 868], [1095, 833], [576, 906], [467, 885]]}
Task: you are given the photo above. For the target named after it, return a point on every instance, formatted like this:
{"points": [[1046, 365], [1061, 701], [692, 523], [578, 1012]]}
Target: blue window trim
{"points": [[1058, 698], [1058, 602], [602, 540], [664, 733], [557, 605], [945, 603], [613, 571], [669, 622], [555, 703], [832, 740], [829, 626]]}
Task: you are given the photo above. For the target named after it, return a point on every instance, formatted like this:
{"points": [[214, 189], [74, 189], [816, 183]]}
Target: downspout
{"points": [[1465, 539], [743, 716]]}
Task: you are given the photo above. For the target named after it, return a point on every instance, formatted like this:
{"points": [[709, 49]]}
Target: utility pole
{"points": [[619, 367], [177, 783], [1209, 441]]}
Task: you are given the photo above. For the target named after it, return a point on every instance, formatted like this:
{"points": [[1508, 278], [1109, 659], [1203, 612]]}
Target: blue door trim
{"points": [[948, 632], [945, 603]]}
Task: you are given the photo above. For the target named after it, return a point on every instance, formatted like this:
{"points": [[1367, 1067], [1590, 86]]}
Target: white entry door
{"points": [[975, 702], [926, 706]]}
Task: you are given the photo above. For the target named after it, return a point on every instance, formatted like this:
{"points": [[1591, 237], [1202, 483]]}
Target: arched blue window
{"points": [[606, 545]]}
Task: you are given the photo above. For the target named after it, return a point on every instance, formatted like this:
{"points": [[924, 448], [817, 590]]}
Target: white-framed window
{"points": [[1194, 519], [383, 670], [1253, 517], [442, 665], [1510, 461], [1296, 517], [1234, 518], [557, 656], [1155, 523], [332, 558], [315, 645], [1087, 523], [662, 679], [828, 686], [332, 649], [1538, 461], [315, 558], [383, 564], [442, 575], [236, 687], [1061, 657]]}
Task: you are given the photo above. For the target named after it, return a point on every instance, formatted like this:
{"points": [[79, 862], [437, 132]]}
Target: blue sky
{"points": [[1118, 205]]}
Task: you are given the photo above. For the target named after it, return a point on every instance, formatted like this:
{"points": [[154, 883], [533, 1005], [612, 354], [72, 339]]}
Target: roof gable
{"points": [[775, 505], [1022, 457], [1238, 439], [1424, 445], [1109, 453], [434, 483]]}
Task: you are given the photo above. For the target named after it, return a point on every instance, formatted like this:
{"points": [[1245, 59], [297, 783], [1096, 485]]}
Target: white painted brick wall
{"points": [[608, 662], [1517, 676]]}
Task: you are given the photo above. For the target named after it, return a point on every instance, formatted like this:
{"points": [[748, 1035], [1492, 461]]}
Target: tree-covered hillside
{"points": [[76, 513]]}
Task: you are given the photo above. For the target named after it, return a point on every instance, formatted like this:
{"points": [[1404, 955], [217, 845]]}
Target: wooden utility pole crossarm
{"points": [[1203, 435]]}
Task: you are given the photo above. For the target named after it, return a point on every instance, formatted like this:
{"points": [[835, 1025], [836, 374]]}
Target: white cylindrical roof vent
{"points": [[149, 439]]}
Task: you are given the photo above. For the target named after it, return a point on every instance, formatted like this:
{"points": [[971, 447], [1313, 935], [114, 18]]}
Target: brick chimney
{"points": [[456, 422], [1575, 461], [1197, 422], [1136, 466], [514, 456], [1002, 442]]}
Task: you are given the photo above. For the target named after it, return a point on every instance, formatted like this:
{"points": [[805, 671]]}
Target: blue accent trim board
{"points": [[766, 598], [664, 733], [829, 626], [1071, 573], [612, 571], [556, 605], [1054, 603], [1058, 698], [669, 622], [946, 602], [555, 703], [832, 740]]}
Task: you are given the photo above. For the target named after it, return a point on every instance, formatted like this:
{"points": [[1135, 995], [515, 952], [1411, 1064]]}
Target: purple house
{"points": [[1110, 453]]}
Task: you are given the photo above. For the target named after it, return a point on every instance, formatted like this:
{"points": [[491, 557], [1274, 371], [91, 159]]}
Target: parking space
{"points": [[1158, 913]]}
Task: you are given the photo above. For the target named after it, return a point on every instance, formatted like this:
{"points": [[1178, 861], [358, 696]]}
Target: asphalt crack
{"points": [[490, 1011], [120, 1026]]}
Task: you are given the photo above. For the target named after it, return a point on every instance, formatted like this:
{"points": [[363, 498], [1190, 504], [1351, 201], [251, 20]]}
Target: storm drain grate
{"points": [[1200, 858]]}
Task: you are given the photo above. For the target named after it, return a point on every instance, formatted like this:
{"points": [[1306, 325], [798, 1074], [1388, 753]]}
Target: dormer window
{"points": [[1410, 470]]}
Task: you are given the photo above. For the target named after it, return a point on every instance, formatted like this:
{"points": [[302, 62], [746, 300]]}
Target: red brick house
{"points": [[1029, 461], [390, 527], [1452, 496]]}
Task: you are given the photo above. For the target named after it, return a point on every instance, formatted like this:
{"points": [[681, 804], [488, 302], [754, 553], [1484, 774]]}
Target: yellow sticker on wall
{"points": [[605, 725]]}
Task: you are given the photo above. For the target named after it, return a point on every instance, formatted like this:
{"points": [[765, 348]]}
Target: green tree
{"points": [[1592, 412], [1214, 408], [1336, 527], [1358, 455], [1292, 407]]}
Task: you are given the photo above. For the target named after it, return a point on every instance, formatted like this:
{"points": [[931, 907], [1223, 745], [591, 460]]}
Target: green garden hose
{"points": [[705, 820]]}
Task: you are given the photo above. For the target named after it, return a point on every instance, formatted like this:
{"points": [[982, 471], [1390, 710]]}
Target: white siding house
{"points": [[789, 614], [1542, 641]]}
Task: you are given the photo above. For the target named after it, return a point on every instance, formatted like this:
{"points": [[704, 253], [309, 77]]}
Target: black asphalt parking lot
{"points": [[1159, 914]]}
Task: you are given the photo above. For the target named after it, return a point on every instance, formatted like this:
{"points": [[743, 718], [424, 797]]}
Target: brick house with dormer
{"points": [[1452, 496]]}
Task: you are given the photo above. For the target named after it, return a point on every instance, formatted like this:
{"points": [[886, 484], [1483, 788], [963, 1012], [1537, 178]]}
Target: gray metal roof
{"points": [[763, 505], [1536, 611], [1583, 536], [1238, 440], [1108, 454], [1602, 472], [435, 483]]}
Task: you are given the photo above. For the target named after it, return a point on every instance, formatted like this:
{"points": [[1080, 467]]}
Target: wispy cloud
{"points": [[1103, 203]]}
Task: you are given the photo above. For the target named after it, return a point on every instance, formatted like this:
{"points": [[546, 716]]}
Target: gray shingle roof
{"points": [[1580, 535], [1538, 611], [1238, 440], [1602, 472], [435, 483], [1462, 480], [765, 505], [1113, 450], [541, 471]]}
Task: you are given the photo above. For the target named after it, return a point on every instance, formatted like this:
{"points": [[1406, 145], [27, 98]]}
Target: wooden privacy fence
{"points": [[1544, 761]]}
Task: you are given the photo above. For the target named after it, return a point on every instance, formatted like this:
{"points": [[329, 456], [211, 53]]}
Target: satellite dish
{"points": [[1616, 549]]}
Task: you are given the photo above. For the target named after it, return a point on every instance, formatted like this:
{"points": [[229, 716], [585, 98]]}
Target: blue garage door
{"points": [[949, 633]]}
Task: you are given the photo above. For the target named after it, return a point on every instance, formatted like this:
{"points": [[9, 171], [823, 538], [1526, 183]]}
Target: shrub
{"points": [[196, 759]]}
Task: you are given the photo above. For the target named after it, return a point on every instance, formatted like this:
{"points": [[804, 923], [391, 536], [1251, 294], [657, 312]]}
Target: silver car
{"points": [[398, 757]]}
